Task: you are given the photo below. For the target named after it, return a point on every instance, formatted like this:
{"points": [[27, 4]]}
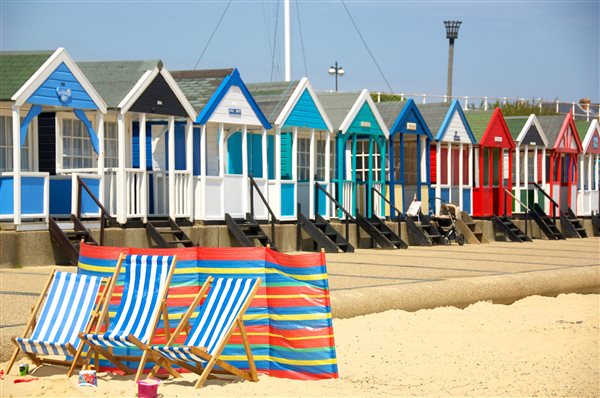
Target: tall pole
{"points": [[451, 35], [287, 40], [450, 65], [336, 76]]}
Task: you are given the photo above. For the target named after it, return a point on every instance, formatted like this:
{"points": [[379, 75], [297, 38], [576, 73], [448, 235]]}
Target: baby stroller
{"points": [[446, 223]]}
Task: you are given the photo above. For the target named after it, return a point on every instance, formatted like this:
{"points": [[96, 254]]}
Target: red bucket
{"points": [[148, 388]]}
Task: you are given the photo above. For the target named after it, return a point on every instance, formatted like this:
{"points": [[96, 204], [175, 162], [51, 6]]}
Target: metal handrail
{"points": [[522, 204], [555, 205], [392, 207], [253, 186], [338, 206], [104, 214]]}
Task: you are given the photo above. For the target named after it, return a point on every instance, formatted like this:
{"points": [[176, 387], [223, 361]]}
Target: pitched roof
{"points": [[551, 125], [515, 124], [389, 111], [478, 120], [434, 115], [115, 79], [337, 105], [272, 97], [582, 128], [200, 85], [16, 67]]}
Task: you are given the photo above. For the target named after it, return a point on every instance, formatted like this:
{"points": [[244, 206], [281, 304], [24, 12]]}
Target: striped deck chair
{"points": [[144, 298], [218, 317], [71, 306]]}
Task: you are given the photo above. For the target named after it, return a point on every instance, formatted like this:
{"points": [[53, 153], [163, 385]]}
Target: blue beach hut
{"points": [[229, 144], [451, 158], [409, 143], [51, 131], [298, 146], [360, 152]]}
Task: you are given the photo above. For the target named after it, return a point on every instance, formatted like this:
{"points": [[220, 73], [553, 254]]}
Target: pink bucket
{"points": [[148, 388]]}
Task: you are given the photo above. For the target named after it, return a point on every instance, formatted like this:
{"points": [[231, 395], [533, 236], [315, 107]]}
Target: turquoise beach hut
{"points": [[298, 146], [51, 132], [410, 139], [360, 154]]}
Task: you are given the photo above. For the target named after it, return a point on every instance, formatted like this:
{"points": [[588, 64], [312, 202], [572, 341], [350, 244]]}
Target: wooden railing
{"points": [[393, 209], [105, 219], [337, 205], [273, 217]]}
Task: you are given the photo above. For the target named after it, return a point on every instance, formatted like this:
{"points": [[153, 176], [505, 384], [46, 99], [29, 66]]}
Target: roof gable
{"points": [[591, 142], [364, 118], [304, 109], [568, 138], [410, 121], [497, 134], [232, 80], [59, 82], [455, 108], [532, 133]]}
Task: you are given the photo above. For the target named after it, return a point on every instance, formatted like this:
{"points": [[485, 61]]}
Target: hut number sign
{"points": [[411, 126], [235, 111], [498, 139]]}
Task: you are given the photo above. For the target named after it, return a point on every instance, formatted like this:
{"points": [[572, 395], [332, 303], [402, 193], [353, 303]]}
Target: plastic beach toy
{"points": [[148, 388], [87, 378]]}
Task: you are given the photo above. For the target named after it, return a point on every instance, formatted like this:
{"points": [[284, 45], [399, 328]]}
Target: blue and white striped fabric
{"points": [[145, 285], [65, 313], [219, 311]]}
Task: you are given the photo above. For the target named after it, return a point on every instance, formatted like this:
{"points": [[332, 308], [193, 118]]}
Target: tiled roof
{"points": [[389, 111], [582, 128], [272, 97], [113, 80], [478, 121], [551, 125], [200, 85], [434, 115], [16, 67], [515, 124], [337, 106]]}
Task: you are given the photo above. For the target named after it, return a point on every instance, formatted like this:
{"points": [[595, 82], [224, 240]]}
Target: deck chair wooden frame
{"points": [[38, 359], [212, 360], [108, 353]]}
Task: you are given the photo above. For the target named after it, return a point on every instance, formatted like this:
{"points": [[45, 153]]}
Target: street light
{"points": [[451, 35], [337, 71]]}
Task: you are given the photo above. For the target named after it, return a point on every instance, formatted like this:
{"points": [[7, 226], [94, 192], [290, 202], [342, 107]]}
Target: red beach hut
{"points": [[493, 161]]}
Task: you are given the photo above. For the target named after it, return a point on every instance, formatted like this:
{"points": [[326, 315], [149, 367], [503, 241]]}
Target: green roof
{"points": [[113, 80], [272, 97], [478, 121], [434, 115], [582, 128], [515, 124], [16, 67], [337, 106], [389, 111], [551, 126], [200, 85]]}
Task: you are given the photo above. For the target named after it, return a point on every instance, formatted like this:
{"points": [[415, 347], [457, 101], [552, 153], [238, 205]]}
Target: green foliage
{"points": [[521, 108], [387, 97]]}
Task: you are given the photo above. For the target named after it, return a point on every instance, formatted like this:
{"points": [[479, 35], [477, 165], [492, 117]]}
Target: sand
{"points": [[537, 346]]}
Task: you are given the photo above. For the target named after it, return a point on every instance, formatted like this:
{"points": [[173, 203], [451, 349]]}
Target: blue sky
{"points": [[529, 49]]}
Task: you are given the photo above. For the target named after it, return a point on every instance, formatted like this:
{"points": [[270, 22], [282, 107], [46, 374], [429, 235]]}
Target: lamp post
{"points": [[337, 71], [451, 35]]}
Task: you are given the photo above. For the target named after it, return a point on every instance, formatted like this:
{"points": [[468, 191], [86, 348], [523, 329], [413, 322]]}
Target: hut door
{"points": [[411, 165]]}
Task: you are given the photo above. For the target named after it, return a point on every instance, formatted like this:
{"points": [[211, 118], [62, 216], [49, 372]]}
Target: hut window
{"points": [[411, 162], [320, 160], [456, 166], [6, 146], [111, 146], [443, 166], [303, 159], [77, 148], [362, 161]]}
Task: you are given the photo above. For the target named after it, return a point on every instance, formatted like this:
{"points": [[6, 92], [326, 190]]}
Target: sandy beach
{"points": [[537, 346]]}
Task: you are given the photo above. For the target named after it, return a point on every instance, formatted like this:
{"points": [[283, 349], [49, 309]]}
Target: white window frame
{"points": [[111, 161], [61, 118], [303, 154], [30, 149]]}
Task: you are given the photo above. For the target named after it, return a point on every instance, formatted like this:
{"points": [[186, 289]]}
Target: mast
{"points": [[287, 40]]}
